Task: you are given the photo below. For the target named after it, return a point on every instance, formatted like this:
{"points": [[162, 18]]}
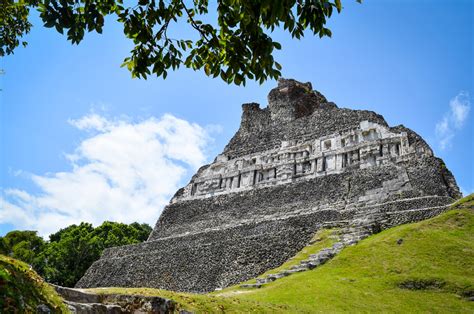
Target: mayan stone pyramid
{"points": [[292, 168]]}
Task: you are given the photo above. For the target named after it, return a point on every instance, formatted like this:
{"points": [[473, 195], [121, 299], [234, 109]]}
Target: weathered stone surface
{"points": [[76, 295], [94, 308], [81, 302], [296, 166], [43, 309]]}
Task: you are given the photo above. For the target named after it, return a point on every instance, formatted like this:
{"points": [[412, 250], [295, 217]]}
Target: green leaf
{"points": [[338, 5], [207, 69]]}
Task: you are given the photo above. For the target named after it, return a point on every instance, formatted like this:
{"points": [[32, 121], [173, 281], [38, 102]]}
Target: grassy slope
{"points": [[436, 258], [22, 290]]}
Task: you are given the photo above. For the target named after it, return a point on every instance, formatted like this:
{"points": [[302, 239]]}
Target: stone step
{"points": [[93, 308], [318, 261], [251, 285], [352, 242], [299, 267], [311, 264], [262, 281], [298, 270], [77, 295], [355, 236], [325, 254], [358, 230], [279, 275]]}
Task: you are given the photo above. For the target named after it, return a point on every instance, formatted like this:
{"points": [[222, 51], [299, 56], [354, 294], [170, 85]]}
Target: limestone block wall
{"points": [[203, 262]]}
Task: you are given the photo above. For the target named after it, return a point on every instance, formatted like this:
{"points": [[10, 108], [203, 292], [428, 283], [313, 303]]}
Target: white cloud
{"points": [[453, 120], [123, 171], [92, 121], [460, 106]]}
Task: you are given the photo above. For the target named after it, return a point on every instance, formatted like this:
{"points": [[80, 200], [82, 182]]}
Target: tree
{"points": [[234, 47], [23, 245], [3, 247], [67, 255], [72, 250]]}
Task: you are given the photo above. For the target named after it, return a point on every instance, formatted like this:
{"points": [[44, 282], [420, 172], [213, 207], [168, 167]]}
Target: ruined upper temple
{"points": [[292, 168]]}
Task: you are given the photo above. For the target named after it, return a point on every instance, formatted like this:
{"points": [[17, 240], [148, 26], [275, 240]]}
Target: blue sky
{"points": [[68, 112]]}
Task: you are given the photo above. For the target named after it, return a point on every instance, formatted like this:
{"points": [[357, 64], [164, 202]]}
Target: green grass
{"points": [[22, 290], [431, 271], [466, 202]]}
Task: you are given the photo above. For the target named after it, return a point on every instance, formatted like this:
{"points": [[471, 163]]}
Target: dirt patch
{"points": [[422, 284], [468, 294]]}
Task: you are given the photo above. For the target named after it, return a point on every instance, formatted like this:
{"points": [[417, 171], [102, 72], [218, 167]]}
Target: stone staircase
{"points": [[351, 235]]}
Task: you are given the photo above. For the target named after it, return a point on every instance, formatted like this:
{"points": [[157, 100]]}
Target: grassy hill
{"points": [[420, 267], [23, 291]]}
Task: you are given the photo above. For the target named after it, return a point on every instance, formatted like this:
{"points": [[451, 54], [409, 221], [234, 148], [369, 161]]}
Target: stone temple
{"points": [[292, 168]]}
